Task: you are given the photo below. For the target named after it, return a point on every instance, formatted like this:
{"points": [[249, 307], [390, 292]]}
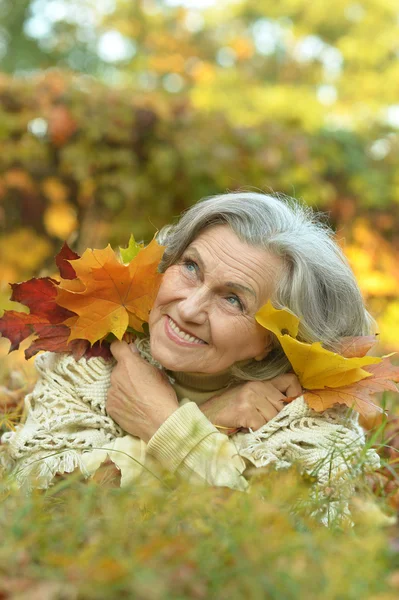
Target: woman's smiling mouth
{"points": [[180, 337]]}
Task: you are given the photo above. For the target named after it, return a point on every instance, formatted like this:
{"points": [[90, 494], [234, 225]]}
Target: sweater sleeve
{"points": [[190, 446], [328, 446]]}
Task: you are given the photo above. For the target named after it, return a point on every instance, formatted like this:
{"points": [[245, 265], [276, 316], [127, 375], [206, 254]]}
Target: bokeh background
{"points": [[115, 115]]}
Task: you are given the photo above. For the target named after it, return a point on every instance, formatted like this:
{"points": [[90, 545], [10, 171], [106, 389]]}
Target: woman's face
{"points": [[203, 319]]}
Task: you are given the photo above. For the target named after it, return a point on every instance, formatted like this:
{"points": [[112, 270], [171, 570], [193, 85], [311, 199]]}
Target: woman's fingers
{"points": [[259, 417], [277, 403], [267, 413], [121, 350], [261, 402], [270, 407], [140, 397], [288, 384], [129, 357], [267, 393]]}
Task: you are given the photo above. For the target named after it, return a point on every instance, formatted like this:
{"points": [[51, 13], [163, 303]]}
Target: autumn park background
{"points": [[115, 115]]}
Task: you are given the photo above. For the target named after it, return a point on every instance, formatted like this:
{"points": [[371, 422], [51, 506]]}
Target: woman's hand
{"points": [[252, 404], [140, 398]]}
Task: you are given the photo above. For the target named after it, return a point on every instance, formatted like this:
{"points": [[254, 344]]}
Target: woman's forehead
{"points": [[219, 250], [222, 242]]}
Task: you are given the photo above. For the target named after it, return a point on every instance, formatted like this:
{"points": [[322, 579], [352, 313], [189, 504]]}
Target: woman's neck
{"points": [[206, 382]]}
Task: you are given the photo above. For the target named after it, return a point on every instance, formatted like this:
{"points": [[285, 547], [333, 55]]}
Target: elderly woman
{"points": [[208, 368]]}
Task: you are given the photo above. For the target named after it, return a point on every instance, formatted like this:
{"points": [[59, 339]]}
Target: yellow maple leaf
{"points": [[108, 296], [316, 367]]}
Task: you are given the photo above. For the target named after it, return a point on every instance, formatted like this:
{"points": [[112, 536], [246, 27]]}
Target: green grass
{"points": [[80, 540], [179, 542]]}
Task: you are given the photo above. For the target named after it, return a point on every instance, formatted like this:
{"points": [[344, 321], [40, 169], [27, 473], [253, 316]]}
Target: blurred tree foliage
{"points": [[117, 115]]}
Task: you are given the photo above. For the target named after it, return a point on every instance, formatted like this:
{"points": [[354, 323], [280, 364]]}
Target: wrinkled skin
{"points": [[221, 317]]}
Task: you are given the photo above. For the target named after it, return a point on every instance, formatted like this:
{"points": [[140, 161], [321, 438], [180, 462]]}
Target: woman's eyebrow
{"points": [[239, 286], [229, 284]]}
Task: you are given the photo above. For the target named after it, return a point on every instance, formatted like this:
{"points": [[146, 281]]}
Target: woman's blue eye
{"points": [[236, 300], [190, 263], [192, 267]]}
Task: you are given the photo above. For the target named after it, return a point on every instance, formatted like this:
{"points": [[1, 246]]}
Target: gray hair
{"points": [[317, 284]]}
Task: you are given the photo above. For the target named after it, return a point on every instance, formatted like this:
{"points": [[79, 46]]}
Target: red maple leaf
{"points": [[62, 261], [17, 326], [54, 338], [39, 296]]}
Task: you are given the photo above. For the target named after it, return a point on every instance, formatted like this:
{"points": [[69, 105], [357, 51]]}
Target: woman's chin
{"points": [[178, 361], [170, 362], [166, 357], [182, 364]]}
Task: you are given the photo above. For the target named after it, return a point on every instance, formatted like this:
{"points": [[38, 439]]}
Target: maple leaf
{"points": [[359, 395], [349, 377], [17, 326], [62, 261], [39, 296], [356, 345], [316, 367], [133, 248], [108, 296], [99, 349], [102, 295], [54, 338]]}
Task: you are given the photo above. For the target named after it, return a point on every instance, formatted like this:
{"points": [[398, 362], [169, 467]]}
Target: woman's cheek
{"points": [[172, 287]]}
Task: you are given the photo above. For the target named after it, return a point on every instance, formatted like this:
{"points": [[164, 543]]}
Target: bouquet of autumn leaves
{"points": [[345, 377], [101, 296]]}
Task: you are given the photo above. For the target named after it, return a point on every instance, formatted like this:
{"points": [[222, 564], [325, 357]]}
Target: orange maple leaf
{"points": [[359, 394], [356, 346], [108, 296]]}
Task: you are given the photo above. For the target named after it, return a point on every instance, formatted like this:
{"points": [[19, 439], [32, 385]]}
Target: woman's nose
{"points": [[194, 307]]}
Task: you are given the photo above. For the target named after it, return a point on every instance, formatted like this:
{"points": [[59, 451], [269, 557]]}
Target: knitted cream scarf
{"points": [[66, 418]]}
